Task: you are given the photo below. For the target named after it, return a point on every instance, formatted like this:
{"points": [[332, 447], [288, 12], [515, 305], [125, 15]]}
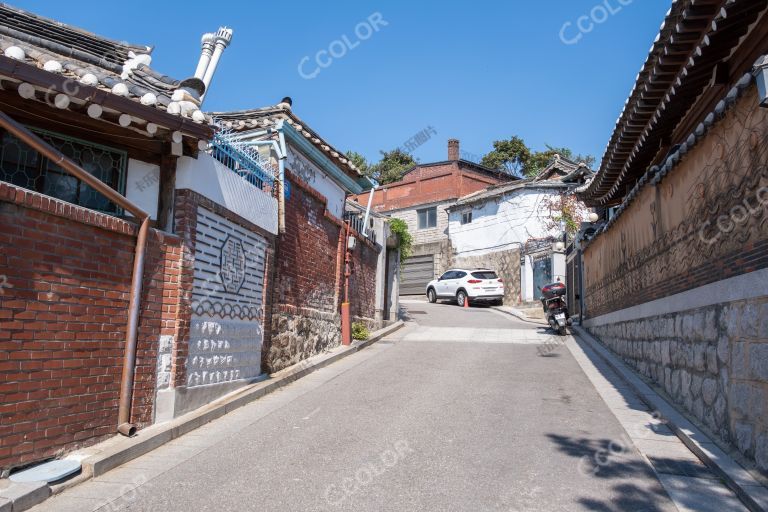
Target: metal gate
{"points": [[417, 271]]}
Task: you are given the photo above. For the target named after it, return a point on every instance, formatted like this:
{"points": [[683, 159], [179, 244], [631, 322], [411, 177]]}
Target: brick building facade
{"points": [[427, 191]]}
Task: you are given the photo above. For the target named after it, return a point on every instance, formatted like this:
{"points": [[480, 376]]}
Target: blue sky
{"points": [[477, 71]]}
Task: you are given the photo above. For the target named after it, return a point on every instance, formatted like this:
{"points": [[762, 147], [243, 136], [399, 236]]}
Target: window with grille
{"points": [[25, 167]]}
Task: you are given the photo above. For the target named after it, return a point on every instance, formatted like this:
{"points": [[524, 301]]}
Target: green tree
{"points": [[391, 167], [514, 157], [541, 159], [510, 156], [360, 162]]}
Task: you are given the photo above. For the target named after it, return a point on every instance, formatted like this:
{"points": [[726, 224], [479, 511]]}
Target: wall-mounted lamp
{"points": [[761, 77], [593, 217]]}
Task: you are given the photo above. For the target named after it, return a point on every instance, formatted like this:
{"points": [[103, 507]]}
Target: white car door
{"points": [[454, 282], [443, 285]]}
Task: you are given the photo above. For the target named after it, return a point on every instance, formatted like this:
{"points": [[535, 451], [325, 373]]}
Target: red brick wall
{"points": [[63, 321], [428, 184], [307, 262], [362, 282]]}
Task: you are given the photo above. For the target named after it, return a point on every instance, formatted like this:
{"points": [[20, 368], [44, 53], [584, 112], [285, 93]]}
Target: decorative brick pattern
{"points": [[220, 333]]}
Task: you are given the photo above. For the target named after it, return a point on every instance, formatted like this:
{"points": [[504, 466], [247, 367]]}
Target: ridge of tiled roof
{"points": [[119, 68], [504, 188], [267, 117], [695, 36]]}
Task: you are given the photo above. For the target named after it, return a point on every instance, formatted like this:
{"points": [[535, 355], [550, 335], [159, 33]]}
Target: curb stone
{"points": [[517, 314], [739, 480], [118, 450]]}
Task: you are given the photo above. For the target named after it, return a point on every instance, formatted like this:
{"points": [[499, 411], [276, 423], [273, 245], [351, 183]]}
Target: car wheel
{"points": [[498, 303], [431, 297], [461, 298]]}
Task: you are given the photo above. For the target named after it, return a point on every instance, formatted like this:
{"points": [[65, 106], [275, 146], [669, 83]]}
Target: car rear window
{"points": [[485, 274]]}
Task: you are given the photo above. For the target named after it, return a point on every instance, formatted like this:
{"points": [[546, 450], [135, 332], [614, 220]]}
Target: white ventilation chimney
{"points": [[205, 55], [222, 39]]}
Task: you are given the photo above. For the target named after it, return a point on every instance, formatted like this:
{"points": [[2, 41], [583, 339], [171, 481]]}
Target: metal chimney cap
{"points": [[208, 38], [193, 85], [224, 36]]}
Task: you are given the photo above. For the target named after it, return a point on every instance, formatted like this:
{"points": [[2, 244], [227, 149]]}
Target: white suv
{"points": [[479, 285]]}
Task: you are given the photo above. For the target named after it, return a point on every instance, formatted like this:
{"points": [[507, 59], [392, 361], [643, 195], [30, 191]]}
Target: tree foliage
{"points": [[563, 210], [391, 167], [359, 161], [399, 228], [514, 157], [510, 156]]}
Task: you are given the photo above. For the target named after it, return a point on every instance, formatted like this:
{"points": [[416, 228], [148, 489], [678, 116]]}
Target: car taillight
{"points": [[474, 281], [501, 280]]}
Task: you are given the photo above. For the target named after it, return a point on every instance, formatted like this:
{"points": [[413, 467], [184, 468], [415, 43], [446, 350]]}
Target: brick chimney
{"points": [[453, 149]]}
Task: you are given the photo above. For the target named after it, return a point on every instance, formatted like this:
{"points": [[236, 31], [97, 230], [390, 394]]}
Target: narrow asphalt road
{"points": [[459, 411]]}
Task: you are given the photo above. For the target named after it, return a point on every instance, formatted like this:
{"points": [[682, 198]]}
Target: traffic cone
{"points": [[466, 301]]}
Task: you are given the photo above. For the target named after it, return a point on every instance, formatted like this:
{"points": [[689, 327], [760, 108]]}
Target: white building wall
{"points": [[425, 236], [208, 177], [500, 223], [317, 179], [142, 185]]}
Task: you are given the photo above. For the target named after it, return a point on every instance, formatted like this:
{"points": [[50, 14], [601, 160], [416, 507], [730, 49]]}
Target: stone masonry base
{"points": [[712, 360]]}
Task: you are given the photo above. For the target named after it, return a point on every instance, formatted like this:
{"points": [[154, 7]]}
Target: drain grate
{"points": [[417, 312]]}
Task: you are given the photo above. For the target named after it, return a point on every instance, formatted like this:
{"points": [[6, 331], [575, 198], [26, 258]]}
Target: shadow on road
{"points": [[614, 459]]}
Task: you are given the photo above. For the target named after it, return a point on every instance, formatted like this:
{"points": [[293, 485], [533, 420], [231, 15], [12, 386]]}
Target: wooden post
{"points": [[167, 191]]}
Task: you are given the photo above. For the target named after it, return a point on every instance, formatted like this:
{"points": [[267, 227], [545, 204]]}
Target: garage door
{"points": [[417, 271]]}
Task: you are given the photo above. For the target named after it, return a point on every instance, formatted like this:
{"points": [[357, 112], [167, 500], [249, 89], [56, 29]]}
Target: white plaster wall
{"points": [[226, 332], [207, 176], [142, 185], [309, 172], [499, 224]]}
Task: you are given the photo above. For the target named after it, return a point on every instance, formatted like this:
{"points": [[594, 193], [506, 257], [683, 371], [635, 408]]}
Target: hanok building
{"points": [[675, 279], [421, 199], [512, 229], [90, 142]]}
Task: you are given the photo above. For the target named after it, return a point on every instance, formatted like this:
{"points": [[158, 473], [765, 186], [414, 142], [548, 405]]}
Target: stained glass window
{"points": [[25, 167]]}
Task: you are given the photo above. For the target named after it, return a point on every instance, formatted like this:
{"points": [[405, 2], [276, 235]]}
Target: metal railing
{"points": [[243, 160], [356, 222]]}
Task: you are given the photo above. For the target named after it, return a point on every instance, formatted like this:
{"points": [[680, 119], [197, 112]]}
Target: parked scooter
{"points": [[555, 307]]}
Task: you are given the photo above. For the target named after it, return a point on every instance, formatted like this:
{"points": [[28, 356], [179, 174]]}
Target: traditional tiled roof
{"points": [[695, 37], [573, 171], [657, 173], [87, 59], [576, 173], [267, 117]]}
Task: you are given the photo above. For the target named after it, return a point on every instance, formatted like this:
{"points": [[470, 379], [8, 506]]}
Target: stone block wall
{"points": [[505, 263], [697, 236], [713, 361], [65, 274]]}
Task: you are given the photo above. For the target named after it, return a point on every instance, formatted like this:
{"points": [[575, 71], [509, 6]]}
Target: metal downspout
{"points": [[129, 359]]}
